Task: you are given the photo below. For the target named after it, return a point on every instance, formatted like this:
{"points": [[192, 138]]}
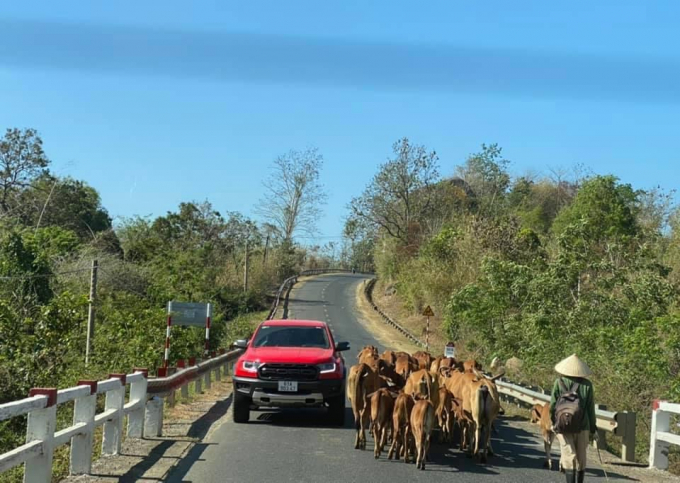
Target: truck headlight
{"points": [[251, 366], [326, 368]]}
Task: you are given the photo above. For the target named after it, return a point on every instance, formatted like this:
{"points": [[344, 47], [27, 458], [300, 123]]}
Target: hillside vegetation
{"points": [[533, 267], [52, 228]]}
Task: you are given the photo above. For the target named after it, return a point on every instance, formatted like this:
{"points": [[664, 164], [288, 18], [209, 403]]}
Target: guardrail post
{"points": [[41, 426], [135, 427], [153, 417], [658, 450], [113, 428], [207, 379], [601, 441], [84, 409], [627, 435]]}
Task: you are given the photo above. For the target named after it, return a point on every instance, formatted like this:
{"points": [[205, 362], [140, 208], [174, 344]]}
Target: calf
{"points": [[382, 404], [422, 422], [444, 413], [424, 383], [401, 417], [464, 420], [540, 414]]}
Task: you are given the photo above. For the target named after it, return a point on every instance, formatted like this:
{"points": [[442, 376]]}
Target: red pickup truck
{"points": [[290, 363]]}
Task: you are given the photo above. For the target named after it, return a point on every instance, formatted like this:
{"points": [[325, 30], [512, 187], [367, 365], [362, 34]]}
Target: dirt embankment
{"points": [[390, 303]]}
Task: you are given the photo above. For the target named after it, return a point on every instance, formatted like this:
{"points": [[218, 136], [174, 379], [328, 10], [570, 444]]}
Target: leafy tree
{"points": [[606, 208], [22, 159], [486, 174], [64, 202], [401, 194], [293, 193]]}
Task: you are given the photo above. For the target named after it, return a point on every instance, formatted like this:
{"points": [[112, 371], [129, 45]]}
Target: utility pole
{"points": [[266, 246], [90, 311], [245, 270]]}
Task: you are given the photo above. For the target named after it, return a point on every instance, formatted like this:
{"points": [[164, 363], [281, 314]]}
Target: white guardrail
{"points": [[133, 395], [662, 438]]}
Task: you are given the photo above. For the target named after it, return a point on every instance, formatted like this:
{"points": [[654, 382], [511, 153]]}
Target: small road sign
{"points": [[428, 312], [450, 350]]}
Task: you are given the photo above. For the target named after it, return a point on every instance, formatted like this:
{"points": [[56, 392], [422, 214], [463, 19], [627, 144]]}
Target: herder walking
{"points": [[572, 408]]}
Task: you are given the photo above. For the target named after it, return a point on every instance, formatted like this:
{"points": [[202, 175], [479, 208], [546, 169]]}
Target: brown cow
{"points": [[401, 419], [361, 381], [471, 365], [382, 404], [425, 383], [481, 399], [389, 356], [444, 413], [464, 420], [368, 353], [403, 365], [424, 359], [422, 423], [540, 414]]}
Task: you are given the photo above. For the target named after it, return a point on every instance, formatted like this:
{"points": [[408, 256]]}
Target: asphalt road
{"points": [[298, 446]]}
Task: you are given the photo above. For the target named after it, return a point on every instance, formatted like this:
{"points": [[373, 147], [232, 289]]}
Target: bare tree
{"points": [[401, 194], [22, 159], [293, 194]]}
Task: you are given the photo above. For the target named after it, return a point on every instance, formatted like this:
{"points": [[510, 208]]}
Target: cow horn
{"points": [[498, 376]]}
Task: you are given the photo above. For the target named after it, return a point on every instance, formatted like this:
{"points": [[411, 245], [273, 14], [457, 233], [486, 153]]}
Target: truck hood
{"points": [[289, 355]]}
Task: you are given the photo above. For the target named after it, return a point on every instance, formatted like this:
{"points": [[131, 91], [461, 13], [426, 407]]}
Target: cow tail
{"points": [[483, 394]]}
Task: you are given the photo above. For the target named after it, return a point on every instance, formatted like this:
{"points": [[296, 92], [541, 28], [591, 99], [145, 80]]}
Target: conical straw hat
{"points": [[572, 366]]}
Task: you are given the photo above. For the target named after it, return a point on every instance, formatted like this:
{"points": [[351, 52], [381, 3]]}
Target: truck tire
{"points": [[336, 410], [241, 410]]}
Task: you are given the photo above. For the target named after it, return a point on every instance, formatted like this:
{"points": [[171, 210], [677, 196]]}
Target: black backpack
{"points": [[568, 412]]}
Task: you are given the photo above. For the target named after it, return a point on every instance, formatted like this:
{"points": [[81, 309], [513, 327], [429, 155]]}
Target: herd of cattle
{"points": [[403, 396]]}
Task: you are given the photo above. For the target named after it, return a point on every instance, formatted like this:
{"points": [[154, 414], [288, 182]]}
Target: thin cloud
{"points": [[243, 57]]}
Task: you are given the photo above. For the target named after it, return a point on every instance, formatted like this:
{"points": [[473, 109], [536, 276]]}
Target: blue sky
{"points": [[158, 102]]}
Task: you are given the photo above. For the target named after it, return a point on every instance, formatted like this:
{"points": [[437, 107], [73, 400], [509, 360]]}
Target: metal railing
{"points": [[662, 438], [134, 396]]}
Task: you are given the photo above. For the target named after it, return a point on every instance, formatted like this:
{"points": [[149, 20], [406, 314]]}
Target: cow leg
{"points": [[548, 449], [376, 441], [394, 446], [357, 427], [483, 437]]}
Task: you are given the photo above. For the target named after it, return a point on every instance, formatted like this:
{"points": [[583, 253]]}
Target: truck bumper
{"points": [[309, 394]]}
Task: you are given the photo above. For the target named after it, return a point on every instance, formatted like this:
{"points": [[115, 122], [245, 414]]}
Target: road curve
{"points": [[298, 446]]}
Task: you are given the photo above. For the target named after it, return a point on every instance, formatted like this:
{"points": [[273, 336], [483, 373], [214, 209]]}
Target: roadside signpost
{"points": [[450, 350], [187, 314], [427, 313]]}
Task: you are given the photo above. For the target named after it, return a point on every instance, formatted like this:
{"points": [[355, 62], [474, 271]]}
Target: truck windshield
{"points": [[291, 336]]}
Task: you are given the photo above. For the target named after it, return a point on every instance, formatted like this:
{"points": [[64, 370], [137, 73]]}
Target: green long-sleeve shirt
{"points": [[586, 400]]}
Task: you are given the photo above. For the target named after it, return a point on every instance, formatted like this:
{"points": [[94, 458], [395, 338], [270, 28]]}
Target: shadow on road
{"points": [[300, 418]]}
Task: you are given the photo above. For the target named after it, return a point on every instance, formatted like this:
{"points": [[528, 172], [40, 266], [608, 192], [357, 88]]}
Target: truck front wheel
{"points": [[241, 409]]}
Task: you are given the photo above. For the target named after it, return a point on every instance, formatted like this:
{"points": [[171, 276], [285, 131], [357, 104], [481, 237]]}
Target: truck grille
{"points": [[289, 372]]}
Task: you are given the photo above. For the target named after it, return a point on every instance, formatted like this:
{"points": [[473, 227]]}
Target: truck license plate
{"points": [[288, 386]]}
